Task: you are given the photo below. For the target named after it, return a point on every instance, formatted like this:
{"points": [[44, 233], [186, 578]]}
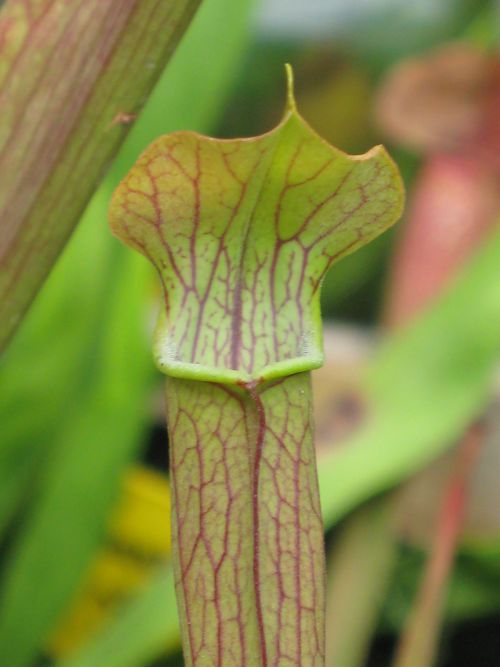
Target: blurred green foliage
{"points": [[78, 384], [427, 383]]}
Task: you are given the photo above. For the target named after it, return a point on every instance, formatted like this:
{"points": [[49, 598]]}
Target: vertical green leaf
{"points": [[97, 436]]}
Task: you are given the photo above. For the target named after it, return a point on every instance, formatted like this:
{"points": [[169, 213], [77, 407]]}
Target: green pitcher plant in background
{"points": [[242, 232]]}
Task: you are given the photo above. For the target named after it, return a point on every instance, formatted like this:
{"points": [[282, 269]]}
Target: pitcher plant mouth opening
{"points": [[242, 233]]}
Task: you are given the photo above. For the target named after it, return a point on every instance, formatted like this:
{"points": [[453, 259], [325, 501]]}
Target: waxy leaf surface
{"points": [[242, 233]]}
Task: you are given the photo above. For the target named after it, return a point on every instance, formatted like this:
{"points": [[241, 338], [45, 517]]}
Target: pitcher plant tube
{"points": [[242, 232]]}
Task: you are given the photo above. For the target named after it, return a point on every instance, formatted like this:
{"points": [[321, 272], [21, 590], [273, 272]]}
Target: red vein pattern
{"points": [[247, 523], [242, 233]]}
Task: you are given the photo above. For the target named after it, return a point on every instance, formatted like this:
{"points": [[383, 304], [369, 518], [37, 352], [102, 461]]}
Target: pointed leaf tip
{"points": [[291, 105]]}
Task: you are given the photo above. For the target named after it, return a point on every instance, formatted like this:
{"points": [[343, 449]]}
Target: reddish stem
{"points": [[418, 643]]}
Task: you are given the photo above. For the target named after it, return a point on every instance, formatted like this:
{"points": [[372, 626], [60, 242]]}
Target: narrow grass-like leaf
{"points": [[72, 76], [359, 572], [81, 479], [72, 313], [242, 233]]}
